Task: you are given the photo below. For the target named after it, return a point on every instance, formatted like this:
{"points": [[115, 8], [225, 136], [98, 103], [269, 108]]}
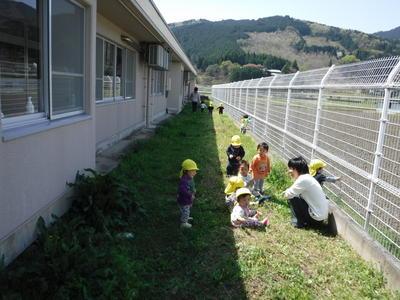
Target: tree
{"points": [[244, 73], [348, 59], [295, 66], [286, 68]]}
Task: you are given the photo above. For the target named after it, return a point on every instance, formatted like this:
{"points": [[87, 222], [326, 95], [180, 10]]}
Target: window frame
{"points": [[45, 86], [125, 51]]}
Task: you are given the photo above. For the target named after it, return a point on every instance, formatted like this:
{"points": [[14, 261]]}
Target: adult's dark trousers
{"points": [[194, 106], [300, 213], [232, 168]]}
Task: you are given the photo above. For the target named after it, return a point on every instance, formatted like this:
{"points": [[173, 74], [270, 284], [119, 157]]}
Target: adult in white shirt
{"points": [[195, 98], [307, 200]]}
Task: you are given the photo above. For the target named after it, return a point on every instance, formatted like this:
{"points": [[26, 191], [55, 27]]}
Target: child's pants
{"points": [[232, 168], [258, 185], [252, 222], [185, 213]]}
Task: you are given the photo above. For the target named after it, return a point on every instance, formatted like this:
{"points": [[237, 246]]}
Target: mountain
{"points": [[390, 34], [266, 40]]}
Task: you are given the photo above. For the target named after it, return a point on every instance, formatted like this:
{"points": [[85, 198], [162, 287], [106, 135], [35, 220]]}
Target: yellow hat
{"points": [[210, 104], [315, 165], [242, 191], [234, 183], [188, 165], [235, 141]]}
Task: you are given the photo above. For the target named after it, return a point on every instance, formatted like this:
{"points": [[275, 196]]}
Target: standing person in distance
{"points": [[221, 109], [235, 153], [195, 98]]}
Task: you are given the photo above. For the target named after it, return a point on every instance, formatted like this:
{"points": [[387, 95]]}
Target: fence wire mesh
{"points": [[348, 116]]}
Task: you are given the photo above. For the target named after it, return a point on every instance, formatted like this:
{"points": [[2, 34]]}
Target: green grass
{"points": [[212, 260]]}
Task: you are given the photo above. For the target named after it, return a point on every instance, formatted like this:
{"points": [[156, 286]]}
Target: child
{"points": [[242, 215], [235, 154], [244, 122], [260, 166], [316, 168], [220, 109], [210, 107], [235, 183], [186, 191], [203, 106], [245, 175]]}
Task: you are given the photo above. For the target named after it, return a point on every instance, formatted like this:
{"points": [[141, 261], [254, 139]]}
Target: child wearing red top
{"points": [[260, 166]]}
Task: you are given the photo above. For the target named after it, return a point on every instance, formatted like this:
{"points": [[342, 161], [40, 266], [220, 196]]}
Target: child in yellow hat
{"points": [[316, 170], [235, 153], [186, 191], [242, 215], [235, 183]]}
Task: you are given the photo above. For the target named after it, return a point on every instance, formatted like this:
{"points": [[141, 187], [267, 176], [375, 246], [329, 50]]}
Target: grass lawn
{"points": [[212, 260]]}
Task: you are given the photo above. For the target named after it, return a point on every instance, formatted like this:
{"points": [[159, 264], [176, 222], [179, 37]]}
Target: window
{"points": [[67, 51], [20, 58], [157, 82], [108, 76], [99, 69], [35, 83], [115, 71], [130, 88]]}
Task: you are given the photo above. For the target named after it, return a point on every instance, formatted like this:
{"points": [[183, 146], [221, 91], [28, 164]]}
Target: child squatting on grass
{"points": [[186, 191], [260, 166], [235, 153], [242, 215]]}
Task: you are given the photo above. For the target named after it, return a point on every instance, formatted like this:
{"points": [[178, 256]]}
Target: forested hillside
{"points": [[277, 41], [390, 34]]}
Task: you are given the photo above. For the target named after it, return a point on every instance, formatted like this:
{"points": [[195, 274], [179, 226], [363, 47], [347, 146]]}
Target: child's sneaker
{"points": [[186, 225]]}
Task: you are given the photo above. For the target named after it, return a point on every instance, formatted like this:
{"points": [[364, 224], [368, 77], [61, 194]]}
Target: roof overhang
{"points": [[142, 20]]}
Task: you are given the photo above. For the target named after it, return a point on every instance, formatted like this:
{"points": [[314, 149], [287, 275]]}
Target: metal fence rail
{"points": [[347, 115]]}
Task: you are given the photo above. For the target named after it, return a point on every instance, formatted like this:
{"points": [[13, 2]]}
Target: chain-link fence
{"points": [[348, 116]]}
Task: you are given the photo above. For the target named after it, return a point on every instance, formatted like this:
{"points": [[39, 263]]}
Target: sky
{"points": [[364, 15]]}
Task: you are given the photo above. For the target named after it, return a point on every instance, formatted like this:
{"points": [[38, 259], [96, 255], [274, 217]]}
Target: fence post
{"points": [[255, 102], [240, 93], [247, 96], [287, 111], [268, 103], [319, 108], [379, 146]]}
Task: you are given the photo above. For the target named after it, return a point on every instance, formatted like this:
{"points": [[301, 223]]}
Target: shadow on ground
{"points": [[170, 262]]}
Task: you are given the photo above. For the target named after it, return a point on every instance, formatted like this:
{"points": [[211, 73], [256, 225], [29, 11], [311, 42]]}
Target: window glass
{"points": [[67, 48], [99, 69], [130, 74], [118, 74], [108, 77], [20, 58]]}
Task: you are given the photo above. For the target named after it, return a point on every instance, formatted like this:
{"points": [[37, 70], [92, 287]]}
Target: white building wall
{"points": [[35, 165], [117, 119], [175, 97]]}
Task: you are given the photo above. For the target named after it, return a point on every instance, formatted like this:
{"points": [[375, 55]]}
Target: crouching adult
{"points": [[307, 200]]}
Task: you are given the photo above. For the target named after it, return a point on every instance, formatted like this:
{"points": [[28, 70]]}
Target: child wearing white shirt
{"points": [[242, 215]]}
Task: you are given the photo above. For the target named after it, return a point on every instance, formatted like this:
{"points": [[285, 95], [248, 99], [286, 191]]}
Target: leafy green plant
{"points": [[101, 199]]}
